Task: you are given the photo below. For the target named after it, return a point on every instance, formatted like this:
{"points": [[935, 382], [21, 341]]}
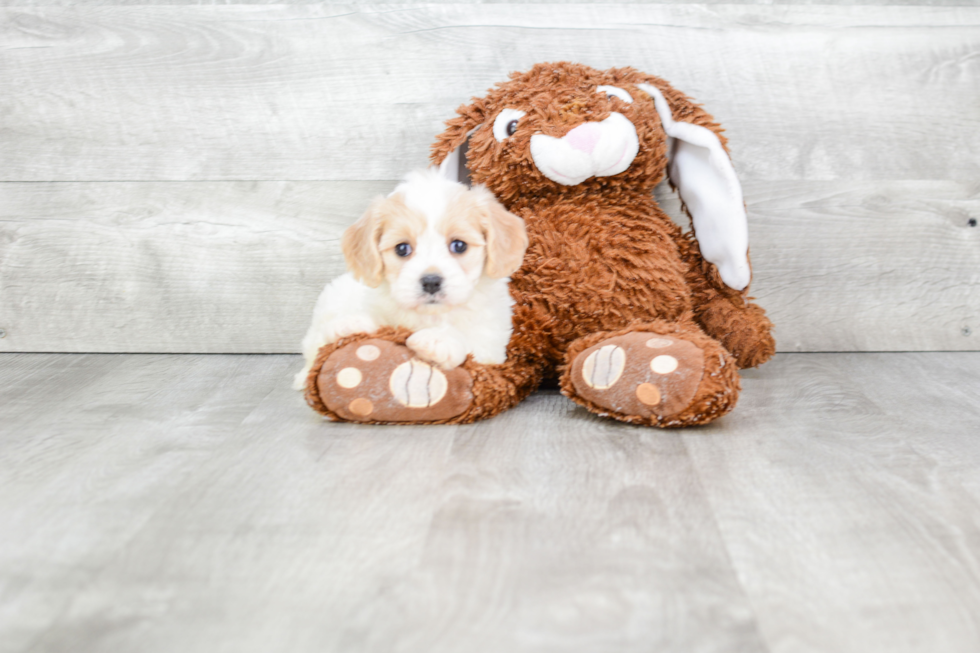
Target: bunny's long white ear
{"points": [[453, 167], [704, 176]]}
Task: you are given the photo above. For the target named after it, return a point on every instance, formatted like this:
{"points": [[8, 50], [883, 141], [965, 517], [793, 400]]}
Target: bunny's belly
{"points": [[596, 271]]}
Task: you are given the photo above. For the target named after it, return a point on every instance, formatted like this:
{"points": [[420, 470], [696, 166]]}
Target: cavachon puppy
{"points": [[638, 320], [433, 257]]}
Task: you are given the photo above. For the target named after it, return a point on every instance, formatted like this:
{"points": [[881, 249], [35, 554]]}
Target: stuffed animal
{"points": [[636, 319]]}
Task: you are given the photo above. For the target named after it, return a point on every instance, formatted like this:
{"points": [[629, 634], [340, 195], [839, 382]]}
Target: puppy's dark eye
{"points": [[458, 246], [403, 249], [511, 127]]}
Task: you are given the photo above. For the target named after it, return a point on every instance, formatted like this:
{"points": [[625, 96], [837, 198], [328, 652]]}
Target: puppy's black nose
{"points": [[431, 283]]}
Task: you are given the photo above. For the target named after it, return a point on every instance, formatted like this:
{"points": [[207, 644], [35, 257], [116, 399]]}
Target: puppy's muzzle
{"points": [[431, 284]]}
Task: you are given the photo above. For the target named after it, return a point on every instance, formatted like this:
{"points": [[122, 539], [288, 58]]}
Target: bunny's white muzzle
{"points": [[593, 149]]}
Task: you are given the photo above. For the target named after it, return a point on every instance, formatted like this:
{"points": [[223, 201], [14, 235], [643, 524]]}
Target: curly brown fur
{"points": [[602, 252], [725, 314], [603, 258]]}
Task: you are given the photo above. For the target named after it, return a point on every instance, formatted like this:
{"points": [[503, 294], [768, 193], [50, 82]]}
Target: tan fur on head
{"points": [[505, 234], [399, 223], [475, 217], [360, 245]]}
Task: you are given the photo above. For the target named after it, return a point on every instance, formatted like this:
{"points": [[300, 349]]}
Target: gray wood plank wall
{"points": [[175, 178]]}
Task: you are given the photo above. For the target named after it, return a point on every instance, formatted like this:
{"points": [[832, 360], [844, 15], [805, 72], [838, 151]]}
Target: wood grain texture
{"points": [[170, 267], [836, 489], [859, 266], [194, 503], [330, 92], [236, 266], [853, 128]]}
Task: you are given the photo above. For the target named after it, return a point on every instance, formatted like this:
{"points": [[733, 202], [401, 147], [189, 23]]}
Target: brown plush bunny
{"points": [[638, 320]]}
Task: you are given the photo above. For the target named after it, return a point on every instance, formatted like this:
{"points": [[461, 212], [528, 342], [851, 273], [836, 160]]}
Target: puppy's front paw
{"points": [[341, 327], [437, 346]]}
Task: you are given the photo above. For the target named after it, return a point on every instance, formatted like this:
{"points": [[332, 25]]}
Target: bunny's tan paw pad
{"points": [[642, 374], [380, 381]]}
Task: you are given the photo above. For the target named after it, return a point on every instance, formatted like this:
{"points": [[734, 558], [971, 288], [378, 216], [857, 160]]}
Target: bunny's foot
{"points": [[659, 374], [376, 378], [741, 326], [380, 381]]}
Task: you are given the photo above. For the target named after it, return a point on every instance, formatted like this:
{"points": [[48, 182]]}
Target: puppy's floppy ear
{"points": [[505, 234], [360, 246], [449, 152], [702, 173]]}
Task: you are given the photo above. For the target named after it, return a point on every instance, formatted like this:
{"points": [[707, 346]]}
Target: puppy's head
{"points": [[432, 240]]}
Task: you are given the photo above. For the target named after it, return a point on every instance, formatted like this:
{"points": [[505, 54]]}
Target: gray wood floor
{"points": [[194, 503]]}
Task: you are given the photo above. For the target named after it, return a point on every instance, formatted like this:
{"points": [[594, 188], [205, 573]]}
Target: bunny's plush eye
{"points": [[613, 91], [506, 123]]}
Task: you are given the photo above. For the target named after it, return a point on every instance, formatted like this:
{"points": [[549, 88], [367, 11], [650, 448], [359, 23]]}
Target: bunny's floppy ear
{"points": [[450, 150], [704, 176]]}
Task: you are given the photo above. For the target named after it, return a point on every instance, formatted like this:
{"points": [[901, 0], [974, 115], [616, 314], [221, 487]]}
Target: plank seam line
{"points": [[725, 547]]}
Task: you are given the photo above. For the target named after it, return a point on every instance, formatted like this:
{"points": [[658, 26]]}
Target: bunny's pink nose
{"points": [[584, 137]]}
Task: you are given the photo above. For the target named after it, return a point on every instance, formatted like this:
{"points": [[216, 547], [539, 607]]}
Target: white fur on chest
{"points": [[346, 306]]}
